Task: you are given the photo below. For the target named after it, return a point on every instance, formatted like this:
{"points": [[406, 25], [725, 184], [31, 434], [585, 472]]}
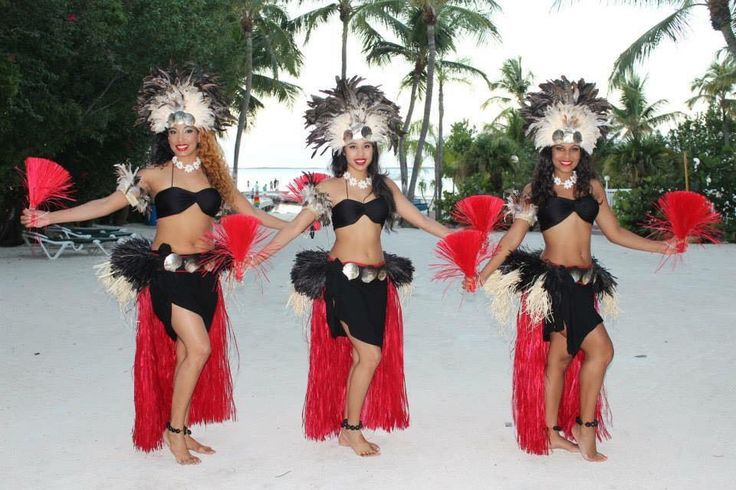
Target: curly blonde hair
{"points": [[215, 168]]}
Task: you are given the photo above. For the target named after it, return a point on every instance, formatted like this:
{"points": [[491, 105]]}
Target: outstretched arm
{"points": [[243, 206], [410, 213], [33, 218], [615, 233], [508, 243], [290, 231]]}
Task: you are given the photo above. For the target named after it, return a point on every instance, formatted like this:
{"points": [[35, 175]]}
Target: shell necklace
{"points": [[567, 183], [187, 167], [353, 182]]}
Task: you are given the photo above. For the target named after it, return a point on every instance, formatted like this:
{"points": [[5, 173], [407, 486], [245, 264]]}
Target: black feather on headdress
{"points": [[191, 92], [351, 112]]}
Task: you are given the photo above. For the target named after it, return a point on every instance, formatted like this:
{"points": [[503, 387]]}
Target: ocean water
{"points": [[263, 177]]}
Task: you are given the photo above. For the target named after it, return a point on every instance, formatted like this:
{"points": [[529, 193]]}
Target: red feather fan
{"points": [[462, 252], [307, 178], [481, 212], [687, 216], [234, 237], [47, 182]]}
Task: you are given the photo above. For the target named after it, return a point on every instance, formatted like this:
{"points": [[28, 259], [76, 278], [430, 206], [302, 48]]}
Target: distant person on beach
{"points": [[181, 315], [562, 347], [356, 343]]}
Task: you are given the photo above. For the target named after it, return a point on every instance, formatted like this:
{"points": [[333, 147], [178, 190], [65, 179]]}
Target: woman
{"points": [[181, 306], [353, 286], [565, 120]]}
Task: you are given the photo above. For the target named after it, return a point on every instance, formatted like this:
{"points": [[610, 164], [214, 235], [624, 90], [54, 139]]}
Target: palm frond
{"points": [[671, 27]]}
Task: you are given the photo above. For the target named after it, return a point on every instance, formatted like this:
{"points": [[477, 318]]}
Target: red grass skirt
{"points": [[386, 406], [530, 358], [155, 360]]}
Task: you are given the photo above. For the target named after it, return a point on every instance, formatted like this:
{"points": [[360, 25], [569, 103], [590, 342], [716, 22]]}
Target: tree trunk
{"points": [[245, 105], [403, 166], [439, 162], [343, 72], [720, 19], [724, 127], [427, 107]]}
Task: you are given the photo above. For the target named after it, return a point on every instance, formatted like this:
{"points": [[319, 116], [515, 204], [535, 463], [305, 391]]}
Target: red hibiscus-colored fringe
{"points": [[687, 216], [386, 405], [47, 182], [307, 178], [530, 357], [234, 237], [153, 376], [481, 212], [462, 252]]}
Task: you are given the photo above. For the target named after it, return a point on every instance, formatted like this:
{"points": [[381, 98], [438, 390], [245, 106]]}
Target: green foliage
{"points": [[70, 71], [473, 185], [715, 176], [633, 207]]}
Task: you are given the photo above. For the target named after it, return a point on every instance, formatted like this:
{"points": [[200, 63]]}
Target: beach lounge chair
{"points": [[34, 239], [96, 240]]}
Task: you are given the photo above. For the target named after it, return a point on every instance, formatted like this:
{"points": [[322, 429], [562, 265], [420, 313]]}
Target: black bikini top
{"points": [[556, 209], [348, 211], [174, 200]]}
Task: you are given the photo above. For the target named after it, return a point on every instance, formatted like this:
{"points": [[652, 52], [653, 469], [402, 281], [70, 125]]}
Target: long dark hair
{"points": [[543, 183], [379, 187], [160, 149]]}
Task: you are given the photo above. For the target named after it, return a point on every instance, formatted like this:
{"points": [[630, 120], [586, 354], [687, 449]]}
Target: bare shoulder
{"points": [[390, 183], [597, 190], [330, 186], [526, 192], [152, 176]]}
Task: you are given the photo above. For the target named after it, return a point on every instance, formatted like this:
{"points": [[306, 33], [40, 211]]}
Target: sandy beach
{"points": [[66, 401]]}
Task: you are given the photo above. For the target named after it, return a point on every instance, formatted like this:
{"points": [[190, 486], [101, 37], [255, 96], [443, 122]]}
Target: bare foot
{"points": [[359, 444], [556, 441], [178, 447], [586, 442], [195, 445]]}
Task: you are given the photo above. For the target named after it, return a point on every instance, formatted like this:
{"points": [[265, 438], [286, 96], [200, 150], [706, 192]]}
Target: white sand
{"points": [[66, 395]]}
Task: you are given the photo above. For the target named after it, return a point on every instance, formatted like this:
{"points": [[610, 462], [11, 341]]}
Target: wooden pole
{"points": [[687, 179]]}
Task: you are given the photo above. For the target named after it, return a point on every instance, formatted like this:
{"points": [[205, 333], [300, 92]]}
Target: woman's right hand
{"points": [[470, 284], [33, 218]]}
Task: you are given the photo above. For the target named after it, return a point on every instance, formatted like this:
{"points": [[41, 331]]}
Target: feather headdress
{"points": [[351, 112], [192, 97], [565, 112]]}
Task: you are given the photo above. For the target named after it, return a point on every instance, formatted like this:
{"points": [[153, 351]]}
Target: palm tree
{"points": [[269, 44], [514, 81], [630, 160], [448, 72], [411, 46], [636, 117], [716, 88], [464, 16], [674, 27], [353, 13]]}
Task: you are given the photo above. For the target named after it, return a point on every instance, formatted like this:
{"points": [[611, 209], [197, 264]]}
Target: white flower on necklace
{"points": [[353, 182], [567, 183], [187, 167]]}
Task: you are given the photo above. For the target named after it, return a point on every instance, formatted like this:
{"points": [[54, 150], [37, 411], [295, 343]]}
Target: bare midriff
{"points": [[186, 232], [359, 242], [568, 243]]}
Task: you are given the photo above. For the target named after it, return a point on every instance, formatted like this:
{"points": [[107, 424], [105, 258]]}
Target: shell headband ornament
{"points": [[565, 112], [173, 97], [349, 113]]}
